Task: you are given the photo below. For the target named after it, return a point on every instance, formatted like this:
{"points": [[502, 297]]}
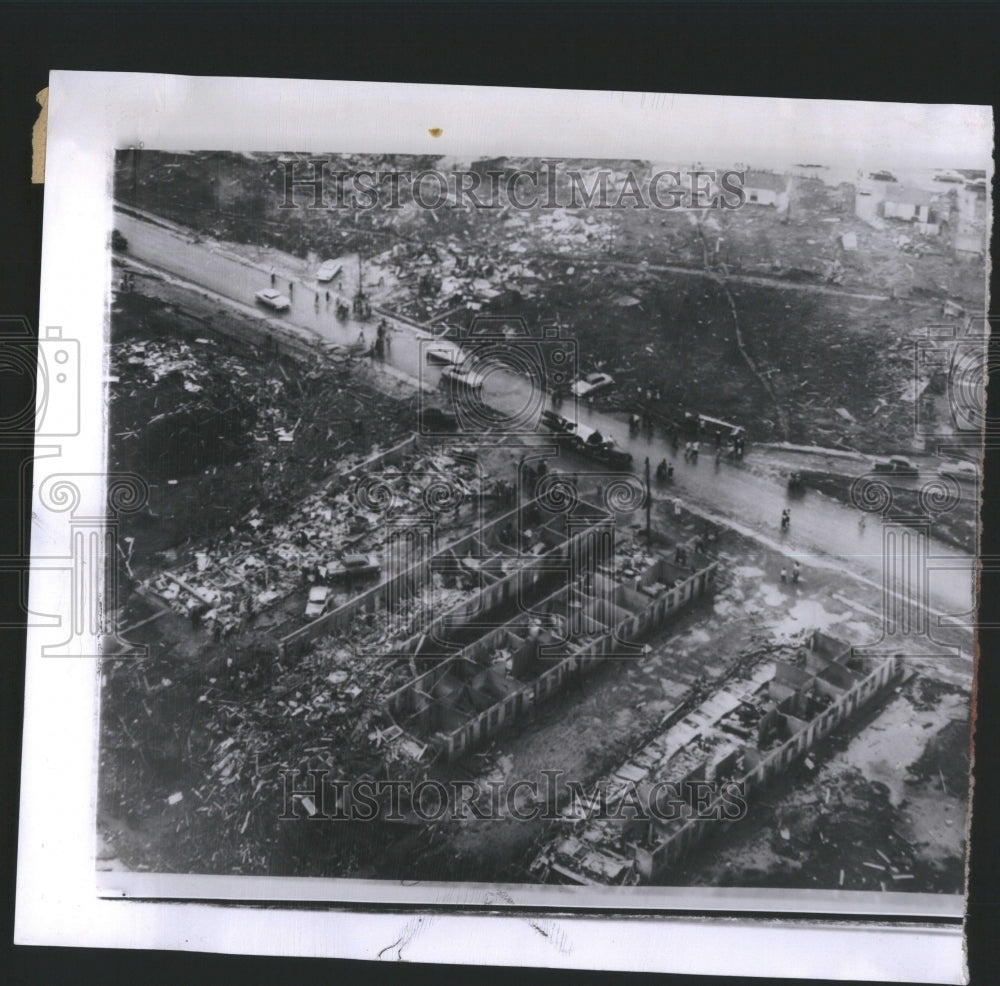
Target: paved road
{"points": [[822, 530]]}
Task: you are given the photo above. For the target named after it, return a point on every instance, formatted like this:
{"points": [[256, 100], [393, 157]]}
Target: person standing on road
{"points": [[786, 519], [272, 277], [796, 572], [291, 289], [784, 574]]}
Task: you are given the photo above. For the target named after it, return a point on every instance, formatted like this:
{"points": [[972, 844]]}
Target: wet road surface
{"points": [[822, 530]]}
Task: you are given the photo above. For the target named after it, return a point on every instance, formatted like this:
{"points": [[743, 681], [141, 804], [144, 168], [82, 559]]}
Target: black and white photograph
{"points": [[502, 524], [523, 520]]}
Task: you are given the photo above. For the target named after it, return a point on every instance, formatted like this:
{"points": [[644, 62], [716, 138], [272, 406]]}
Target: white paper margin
{"points": [[91, 115]]}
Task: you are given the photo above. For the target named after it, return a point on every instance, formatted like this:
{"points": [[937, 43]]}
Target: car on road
{"points": [[555, 422], [328, 271], [274, 300], [592, 384], [442, 355], [461, 378], [438, 419], [959, 469], [585, 440], [611, 455], [896, 464]]}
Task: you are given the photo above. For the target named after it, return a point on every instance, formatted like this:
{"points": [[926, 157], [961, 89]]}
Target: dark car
{"points": [[897, 465], [612, 455], [554, 422], [437, 419]]}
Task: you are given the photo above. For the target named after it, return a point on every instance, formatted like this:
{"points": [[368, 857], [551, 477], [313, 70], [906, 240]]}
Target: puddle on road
{"points": [[807, 613], [748, 572], [770, 594]]}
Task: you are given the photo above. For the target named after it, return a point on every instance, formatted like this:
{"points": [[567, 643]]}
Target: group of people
{"points": [[637, 422], [665, 472], [796, 573], [383, 342]]}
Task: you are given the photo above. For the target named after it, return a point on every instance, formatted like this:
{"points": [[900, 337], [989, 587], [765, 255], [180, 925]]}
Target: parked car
{"points": [[959, 469], [328, 271], [611, 455], [461, 377], [272, 299], [352, 568], [555, 422], [118, 242], [442, 355], [592, 384], [590, 442], [437, 419], [355, 567], [319, 596], [896, 464]]}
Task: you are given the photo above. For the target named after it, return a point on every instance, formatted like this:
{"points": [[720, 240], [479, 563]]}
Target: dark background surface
{"points": [[895, 52]]}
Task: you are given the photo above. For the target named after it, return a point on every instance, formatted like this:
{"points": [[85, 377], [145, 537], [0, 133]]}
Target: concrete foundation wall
{"points": [[763, 769]]}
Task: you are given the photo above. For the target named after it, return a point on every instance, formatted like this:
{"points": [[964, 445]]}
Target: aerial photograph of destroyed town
{"points": [[588, 522]]}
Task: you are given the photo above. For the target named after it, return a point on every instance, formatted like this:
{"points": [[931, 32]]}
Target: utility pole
{"points": [[649, 505]]}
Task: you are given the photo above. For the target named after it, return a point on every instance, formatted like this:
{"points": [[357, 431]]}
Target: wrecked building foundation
{"points": [[728, 748]]}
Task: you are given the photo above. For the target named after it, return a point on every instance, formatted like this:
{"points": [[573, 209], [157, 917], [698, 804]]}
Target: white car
{"points": [[442, 355], [328, 271], [272, 299], [592, 383], [959, 469], [319, 596]]}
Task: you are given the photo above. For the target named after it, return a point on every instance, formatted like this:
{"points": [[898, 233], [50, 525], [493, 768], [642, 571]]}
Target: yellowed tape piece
{"points": [[38, 134]]}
